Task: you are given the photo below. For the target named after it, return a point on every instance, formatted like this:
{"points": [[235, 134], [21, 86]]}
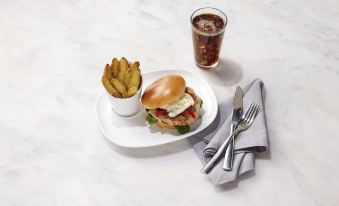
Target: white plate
{"points": [[133, 131]]}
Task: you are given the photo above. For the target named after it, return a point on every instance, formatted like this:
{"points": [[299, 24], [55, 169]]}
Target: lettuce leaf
{"points": [[150, 119], [182, 129]]}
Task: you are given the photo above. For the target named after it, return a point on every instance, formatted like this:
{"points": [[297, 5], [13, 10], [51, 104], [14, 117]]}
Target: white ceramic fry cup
{"points": [[126, 107]]}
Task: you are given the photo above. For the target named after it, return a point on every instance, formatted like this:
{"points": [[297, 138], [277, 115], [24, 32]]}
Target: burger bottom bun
{"points": [[163, 125]]}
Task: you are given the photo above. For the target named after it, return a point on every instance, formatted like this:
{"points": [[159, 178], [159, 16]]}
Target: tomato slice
{"points": [[160, 112], [189, 111]]}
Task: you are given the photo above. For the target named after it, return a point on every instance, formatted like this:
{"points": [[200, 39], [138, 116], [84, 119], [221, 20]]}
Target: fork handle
{"points": [[211, 164]]}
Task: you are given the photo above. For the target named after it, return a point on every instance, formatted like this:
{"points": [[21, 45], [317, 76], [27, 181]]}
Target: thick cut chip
{"points": [[132, 91], [135, 64], [135, 78], [109, 87], [122, 69], [119, 86], [115, 67], [127, 77], [128, 73], [107, 72]]}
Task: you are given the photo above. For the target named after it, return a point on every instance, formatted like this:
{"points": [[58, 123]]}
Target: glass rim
{"points": [[222, 29]]}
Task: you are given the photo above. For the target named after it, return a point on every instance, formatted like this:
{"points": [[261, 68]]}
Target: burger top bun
{"points": [[163, 91]]}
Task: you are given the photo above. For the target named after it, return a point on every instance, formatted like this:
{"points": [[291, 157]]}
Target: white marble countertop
{"points": [[52, 54]]}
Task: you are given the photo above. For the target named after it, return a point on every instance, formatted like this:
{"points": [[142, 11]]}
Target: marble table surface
{"points": [[52, 55]]}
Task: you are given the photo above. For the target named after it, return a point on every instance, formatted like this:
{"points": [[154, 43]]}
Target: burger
{"points": [[170, 104]]}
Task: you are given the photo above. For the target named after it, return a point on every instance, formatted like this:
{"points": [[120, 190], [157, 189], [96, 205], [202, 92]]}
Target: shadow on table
{"points": [[151, 152], [232, 185], [264, 155], [227, 73]]}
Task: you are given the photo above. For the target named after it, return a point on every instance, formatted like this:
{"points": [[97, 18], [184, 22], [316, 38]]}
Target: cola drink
{"points": [[207, 31]]}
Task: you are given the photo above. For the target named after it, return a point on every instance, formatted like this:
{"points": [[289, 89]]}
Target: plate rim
{"points": [[214, 114]]}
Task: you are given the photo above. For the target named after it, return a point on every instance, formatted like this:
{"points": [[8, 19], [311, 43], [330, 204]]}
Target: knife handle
{"points": [[229, 155], [211, 164]]}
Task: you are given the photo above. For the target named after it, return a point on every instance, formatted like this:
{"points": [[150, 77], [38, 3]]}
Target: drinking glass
{"points": [[208, 26]]}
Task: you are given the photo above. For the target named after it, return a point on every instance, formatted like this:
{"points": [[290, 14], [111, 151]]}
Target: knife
{"points": [[236, 115]]}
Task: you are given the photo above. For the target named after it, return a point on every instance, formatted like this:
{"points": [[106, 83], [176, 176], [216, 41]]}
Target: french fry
{"points": [[115, 67], [128, 74], [110, 88], [122, 69], [107, 72], [132, 91], [119, 86], [135, 64], [135, 78]]}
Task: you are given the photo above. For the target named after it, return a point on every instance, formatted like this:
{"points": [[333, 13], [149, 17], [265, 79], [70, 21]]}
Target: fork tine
{"points": [[250, 111], [245, 116], [254, 113]]}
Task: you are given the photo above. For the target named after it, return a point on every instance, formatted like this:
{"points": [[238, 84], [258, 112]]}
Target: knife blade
{"points": [[236, 115]]}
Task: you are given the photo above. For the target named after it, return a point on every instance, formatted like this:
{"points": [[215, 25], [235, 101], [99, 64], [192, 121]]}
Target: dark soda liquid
{"points": [[207, 38]]}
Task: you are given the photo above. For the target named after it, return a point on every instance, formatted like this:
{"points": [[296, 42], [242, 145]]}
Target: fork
{"points": [[244, 123]]}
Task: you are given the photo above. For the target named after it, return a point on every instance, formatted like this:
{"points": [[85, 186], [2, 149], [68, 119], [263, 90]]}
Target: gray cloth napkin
{"points": [[247, 143]]}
